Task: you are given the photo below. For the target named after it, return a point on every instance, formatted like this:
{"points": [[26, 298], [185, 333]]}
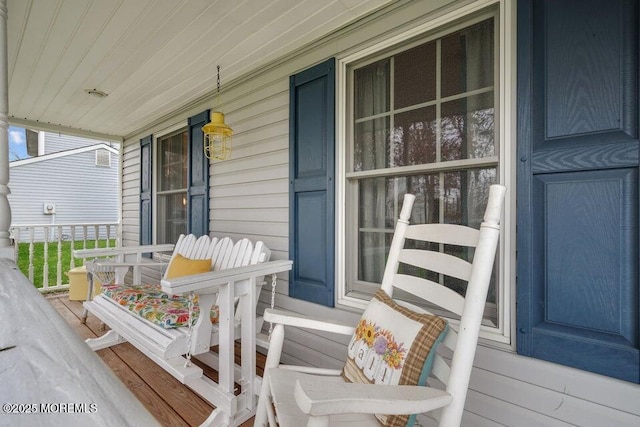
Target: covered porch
{"points": [[548, 89], [138, 61]]}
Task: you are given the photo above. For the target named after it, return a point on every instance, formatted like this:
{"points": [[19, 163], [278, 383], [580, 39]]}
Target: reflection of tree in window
{"points": [[467, 128], [371, 150], [414, 137], [172, 187], [410, 115]]}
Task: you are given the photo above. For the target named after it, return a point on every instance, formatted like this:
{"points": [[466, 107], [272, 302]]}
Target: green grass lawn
{"points": [[38, 259]]}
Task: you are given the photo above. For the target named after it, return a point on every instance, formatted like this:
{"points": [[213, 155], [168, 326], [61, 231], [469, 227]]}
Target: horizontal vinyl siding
{"points": [[513, 390], [249, 192], [569, 394], [55, 142], [131, 194], [249, 198], [81, 191]]}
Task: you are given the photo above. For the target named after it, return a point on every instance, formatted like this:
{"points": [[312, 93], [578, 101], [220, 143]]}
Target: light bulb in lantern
{"points": [[217, 137]]}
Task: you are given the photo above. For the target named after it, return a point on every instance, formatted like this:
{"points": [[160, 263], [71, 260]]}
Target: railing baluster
{"points": [[15, 233], [31, 238], [45, 269], [72, 263], [59, 263], [48, 237]]}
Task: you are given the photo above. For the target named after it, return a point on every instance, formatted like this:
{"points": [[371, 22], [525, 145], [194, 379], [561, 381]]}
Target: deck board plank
{"points": [[191, 407], [163, 411]]}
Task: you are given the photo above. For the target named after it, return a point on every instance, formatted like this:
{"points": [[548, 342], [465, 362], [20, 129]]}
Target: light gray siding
{"points": [[131, 194], [81, 191], [249, 198], [56, 142]]}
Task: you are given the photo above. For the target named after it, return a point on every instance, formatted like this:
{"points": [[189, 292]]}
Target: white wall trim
{"points": [[170, 129], [48, 127], [65, 153]]}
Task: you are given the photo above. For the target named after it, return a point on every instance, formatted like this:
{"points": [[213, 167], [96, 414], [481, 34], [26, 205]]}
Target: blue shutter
{"points": [[311, 183], [198, 177], [577, 287], [146, 151]]}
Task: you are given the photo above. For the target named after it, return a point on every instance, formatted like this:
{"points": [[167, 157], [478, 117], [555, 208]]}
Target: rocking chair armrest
{"points": [[319, 398], [210, 282], [301, 321], [124, 250]]}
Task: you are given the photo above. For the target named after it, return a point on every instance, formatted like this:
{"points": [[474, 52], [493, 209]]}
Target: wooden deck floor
{"points": [[169, 401]]}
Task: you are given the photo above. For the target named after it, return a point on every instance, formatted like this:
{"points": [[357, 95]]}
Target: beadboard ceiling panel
{"points": [[152, 57]]}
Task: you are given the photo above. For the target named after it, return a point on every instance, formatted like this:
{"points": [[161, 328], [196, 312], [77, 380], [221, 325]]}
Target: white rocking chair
{"points": [[299, 396]]}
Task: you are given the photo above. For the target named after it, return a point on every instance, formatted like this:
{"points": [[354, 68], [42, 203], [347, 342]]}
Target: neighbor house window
{"points": [[421, 118], [171, 202], [103, 158]]}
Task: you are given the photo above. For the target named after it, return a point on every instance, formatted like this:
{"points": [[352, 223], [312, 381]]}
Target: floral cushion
{"points": [[393, 345], [122, 294], [151, 303]]}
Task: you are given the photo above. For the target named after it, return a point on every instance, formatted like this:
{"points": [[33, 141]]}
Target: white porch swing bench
{"points": [[233, 283]]}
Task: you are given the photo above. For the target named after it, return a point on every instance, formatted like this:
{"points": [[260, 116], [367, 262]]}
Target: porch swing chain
{"points": [[187, 363], [274, 281]]}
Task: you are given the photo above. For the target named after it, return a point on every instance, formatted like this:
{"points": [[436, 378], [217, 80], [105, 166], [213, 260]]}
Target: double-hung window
{"points": [[174, 183], [421, 117], [171, 195]]}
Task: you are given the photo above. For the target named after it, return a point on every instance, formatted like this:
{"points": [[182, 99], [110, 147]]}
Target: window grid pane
{"points": [[171, 205], [173, 162], [436, 104], [172, 216]]}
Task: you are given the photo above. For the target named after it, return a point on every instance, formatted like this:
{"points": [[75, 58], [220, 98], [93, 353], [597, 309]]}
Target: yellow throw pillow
{"points": [[181, 266]]}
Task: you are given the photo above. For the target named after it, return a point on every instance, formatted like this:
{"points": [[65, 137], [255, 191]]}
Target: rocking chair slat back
{"points": [[424, 262], [439, 262], [451, 234], [427, 289]]}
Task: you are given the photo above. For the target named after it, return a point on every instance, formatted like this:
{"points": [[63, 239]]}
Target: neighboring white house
{"points": [[72, 180]]}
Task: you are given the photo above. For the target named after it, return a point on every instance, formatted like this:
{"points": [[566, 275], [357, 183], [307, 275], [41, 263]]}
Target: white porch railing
{"points": [[44, 238]]}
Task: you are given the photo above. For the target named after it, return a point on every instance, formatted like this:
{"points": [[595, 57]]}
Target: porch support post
{"points": [[6, 249]]}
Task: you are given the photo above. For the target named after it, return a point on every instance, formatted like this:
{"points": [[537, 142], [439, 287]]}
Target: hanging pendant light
{"points": [[217, 135]]}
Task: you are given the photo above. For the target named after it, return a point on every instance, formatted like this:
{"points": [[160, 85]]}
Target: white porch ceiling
{"points": [[151, 57]]}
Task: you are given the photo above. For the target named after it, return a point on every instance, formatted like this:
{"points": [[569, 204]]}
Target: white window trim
{"points": [[506, 72]]}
